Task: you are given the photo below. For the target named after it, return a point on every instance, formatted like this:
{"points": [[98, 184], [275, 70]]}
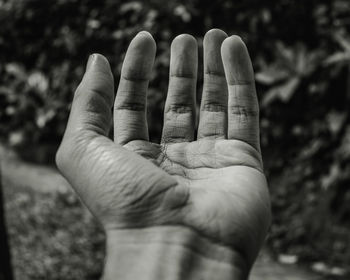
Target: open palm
{"points": [[211, 183]]}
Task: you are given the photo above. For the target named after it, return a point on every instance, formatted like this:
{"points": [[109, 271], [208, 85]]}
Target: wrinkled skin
{"points": [[212, 182]]}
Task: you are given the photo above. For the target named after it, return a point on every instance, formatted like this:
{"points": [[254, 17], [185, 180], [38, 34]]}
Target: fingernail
{"points": [[89, 62]]}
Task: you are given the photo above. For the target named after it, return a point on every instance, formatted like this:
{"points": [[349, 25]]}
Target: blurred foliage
{"points": [[52, 236], [301, 54]]}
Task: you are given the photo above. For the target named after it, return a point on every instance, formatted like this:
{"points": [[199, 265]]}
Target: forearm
{"points": [[169, 253]]}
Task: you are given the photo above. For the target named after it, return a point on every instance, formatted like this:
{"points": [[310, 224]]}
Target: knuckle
{"points": [[135, 76], [214, 107], [244, 111], [179, 108], [132, 106]]}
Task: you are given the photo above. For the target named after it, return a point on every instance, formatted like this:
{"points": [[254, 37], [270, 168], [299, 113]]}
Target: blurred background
{"points": [[301, 56]]}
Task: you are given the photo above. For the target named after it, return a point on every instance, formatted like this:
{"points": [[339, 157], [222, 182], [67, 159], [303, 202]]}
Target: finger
{"points": [[130, 122], [243, 108], [93, 99], [213, 111], [179, 111]]}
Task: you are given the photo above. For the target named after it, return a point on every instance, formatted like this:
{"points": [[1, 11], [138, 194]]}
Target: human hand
{"points": [[211, 184]]}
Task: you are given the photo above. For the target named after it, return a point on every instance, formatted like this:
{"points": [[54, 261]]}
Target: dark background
{"points": [[301, 55]]}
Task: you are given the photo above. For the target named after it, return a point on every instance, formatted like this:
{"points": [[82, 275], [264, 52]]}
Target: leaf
{"points": [[331, 178], [16, 70], [287, 259], [343, 42], [283, 92], [271, 76], [38, 81], [339, 57], [133, 6], [335, 121]]}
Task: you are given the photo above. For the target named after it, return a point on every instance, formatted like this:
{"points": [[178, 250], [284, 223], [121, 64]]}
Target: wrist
{"points": [[169, 252]]}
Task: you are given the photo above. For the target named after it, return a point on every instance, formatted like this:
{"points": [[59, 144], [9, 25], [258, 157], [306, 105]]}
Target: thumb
{"points": [[93, 99]]}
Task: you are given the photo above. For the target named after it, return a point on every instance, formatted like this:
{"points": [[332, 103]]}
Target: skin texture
{"points": [[211, 183]]}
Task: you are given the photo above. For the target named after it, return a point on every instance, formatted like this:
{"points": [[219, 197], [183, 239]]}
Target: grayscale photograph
{"points": [[174, 140]]}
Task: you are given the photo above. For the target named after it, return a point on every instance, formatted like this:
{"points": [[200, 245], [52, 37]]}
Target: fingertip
{"points": [[215, 34], [143, 41], [144, 33], [236, 38], [236, 60], [98, 74], [93, 98], [139, 58], [184, 41], [233, 45], [184, 56], [212, 54], [99, 57], [98, 62]]}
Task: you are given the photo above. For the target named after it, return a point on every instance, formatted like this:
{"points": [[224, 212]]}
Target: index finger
{"points": [[130, 122]]}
